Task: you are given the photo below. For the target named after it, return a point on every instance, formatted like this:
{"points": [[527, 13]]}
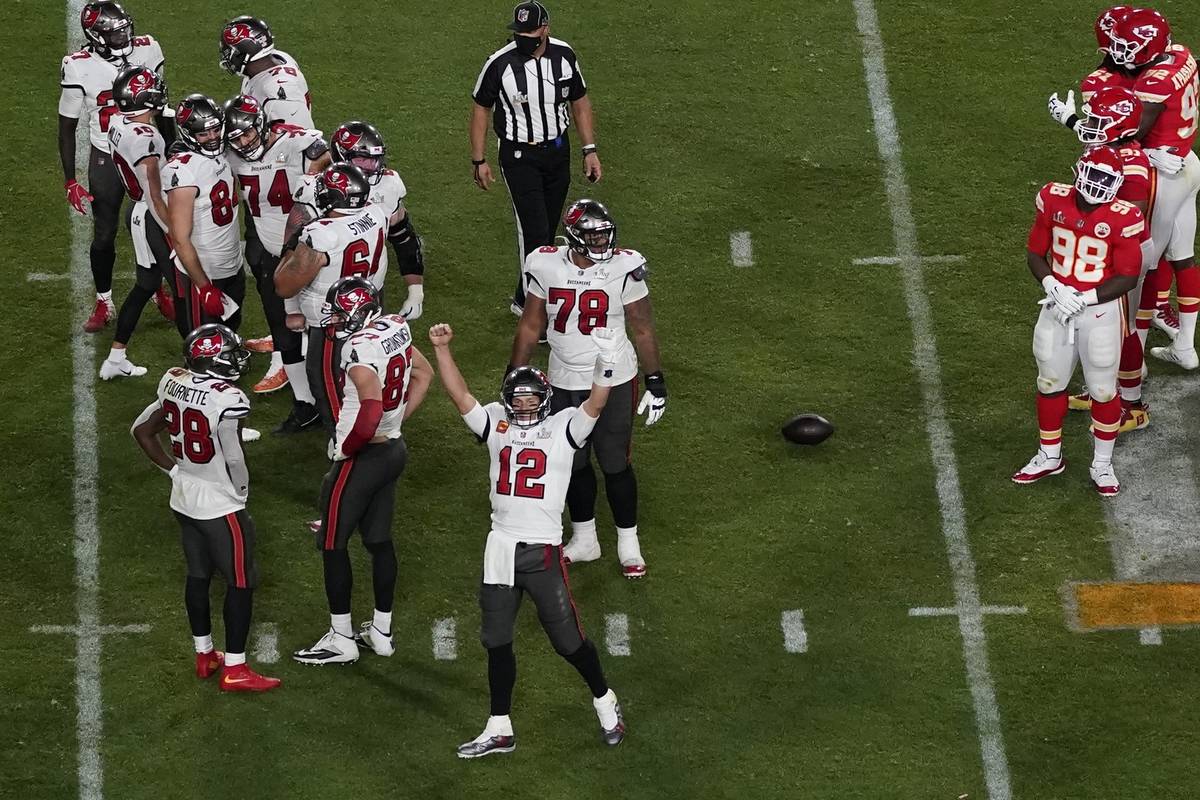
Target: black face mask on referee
{"points": [[527, 45]]}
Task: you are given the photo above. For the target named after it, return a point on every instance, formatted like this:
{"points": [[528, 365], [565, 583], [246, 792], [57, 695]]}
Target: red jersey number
{"points": [[191, 437], [393, 387], [279, 195], [531, 467], [355, 257], [221, 196], [128, 177], [593, 308], [105, 107]]}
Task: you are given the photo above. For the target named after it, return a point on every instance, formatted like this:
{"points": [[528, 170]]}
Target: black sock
{"points": [[621, 488], [587, 661], [581, 494], [131, 312], [383, 574], [102, 258], [339, 580], [195, 600], [502, 676], [239, 603]]}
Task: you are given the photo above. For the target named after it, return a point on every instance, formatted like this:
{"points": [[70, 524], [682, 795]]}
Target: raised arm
{"points": [[440, 336]]}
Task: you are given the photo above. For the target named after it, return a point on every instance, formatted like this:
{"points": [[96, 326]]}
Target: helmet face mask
{"points": [[1112, 115], [1139, 37], [1097, 178], [526, 396], [590, 230], [201, 125], [216, 351], [243, 40], [351, 305]]}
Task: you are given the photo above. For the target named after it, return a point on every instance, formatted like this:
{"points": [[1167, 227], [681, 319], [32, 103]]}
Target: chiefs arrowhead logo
{"points": [[89, 15], [347, 138], [237, 32], [351, 300], [206, 347]]}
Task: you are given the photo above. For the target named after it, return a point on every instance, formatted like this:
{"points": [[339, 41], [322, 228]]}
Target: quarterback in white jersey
{"points": [[569, 291], [530, 454], [270, 76]]}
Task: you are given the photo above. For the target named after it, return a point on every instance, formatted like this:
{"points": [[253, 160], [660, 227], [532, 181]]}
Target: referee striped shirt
{"points": [[530, 97]]}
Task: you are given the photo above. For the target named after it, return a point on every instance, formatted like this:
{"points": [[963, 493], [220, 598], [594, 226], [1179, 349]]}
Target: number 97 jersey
{"points": [[1086, 248]]}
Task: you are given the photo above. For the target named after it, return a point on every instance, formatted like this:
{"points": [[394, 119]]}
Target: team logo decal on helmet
{"points": [[338, 181], [206, 346], [89, 15], [236, 32], [248, 104], [348, 138], [348, 301], [183, 114]]}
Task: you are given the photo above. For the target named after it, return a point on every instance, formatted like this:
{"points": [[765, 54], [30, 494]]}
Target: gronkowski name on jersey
{"points": [[354, 245], [578, 300], [267, 184], [1174, 84], [87, 81], [215, 233], [1086, 248], [282, 91], [386, 348], [195, 407], [131, 143]]}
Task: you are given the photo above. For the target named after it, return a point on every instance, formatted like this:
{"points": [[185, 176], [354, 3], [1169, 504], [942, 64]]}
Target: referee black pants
{"points": [[537, 177]]}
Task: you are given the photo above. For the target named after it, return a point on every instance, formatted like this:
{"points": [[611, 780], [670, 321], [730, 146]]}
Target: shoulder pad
{"points": [[319, 236], [176, 372]]}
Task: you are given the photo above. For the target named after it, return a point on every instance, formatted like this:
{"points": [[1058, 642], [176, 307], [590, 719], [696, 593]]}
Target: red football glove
{"points": [[210, 300], [76, 194]]}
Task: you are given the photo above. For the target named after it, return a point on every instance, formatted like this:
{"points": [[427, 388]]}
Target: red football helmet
{"points": [[1105, 23], [1099, 174], [1111, 115], [1139, 37]]}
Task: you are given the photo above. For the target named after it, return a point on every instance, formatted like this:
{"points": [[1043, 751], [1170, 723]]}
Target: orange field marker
{"points": [[1118, 605]]}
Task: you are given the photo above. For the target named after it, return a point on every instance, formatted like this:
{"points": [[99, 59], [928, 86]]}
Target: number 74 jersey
{"points": [[1086, 248]]}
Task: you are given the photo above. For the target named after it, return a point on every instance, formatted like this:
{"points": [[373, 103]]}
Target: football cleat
{"points": [[485, 744], [634, 568], [120, 369], [581, 549], [1184, 358], [1134, 416], [264, 345], [629, 553], [273, 381], [1166, 320], [165, 304], [102, 314], [1040, 466], [379, 642], [614, 735], [303, 417], [1081, 401], [332, 648], [207, 664], [250, 435], [1104, 479], [243, 679]]}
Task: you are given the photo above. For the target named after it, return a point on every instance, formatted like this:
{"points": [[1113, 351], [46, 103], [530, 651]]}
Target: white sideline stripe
{"points": [[1150, 636], [891, 260], [931, 611], [445, 640], [795, 638], [101, 630], [616, 634], [266, 642], [48, 276], [941, 440], [741, 249]]}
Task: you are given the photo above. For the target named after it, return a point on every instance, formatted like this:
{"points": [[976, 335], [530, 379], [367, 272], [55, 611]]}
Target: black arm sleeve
{"points": [[408, 247], [66, 145]]}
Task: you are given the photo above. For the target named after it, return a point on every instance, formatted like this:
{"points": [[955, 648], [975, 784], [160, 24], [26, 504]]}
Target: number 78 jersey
{"points": [[1086, 248]]}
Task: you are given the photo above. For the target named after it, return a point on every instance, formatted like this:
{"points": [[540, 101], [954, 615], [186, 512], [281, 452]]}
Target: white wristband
{"points": [[1090, 297]]}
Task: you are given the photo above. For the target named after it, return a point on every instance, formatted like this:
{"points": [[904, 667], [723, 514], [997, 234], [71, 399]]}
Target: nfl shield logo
{"points": [[565, 91], [523, 15]]}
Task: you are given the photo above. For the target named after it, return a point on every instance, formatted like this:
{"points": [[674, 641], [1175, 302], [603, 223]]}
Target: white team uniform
{"points": [[388, 192], [267, 185], [131, 143], [195, 406], [385, 347], [578, 300], [87, 81], [215, 233], [355, 245], [282, 91]]}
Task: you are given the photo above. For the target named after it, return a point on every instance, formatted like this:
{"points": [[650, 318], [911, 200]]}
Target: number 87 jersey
{"points": [[1086, 248]]}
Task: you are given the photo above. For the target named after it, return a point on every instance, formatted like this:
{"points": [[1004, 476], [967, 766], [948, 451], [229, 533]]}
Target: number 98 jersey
{"points": [[385, 347], [195, 406], [1086, 249]]}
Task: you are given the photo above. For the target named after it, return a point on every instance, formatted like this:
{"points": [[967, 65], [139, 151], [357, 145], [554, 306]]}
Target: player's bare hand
{"points": [[483, 176], [77, 194], [592, 169], [440, 334], [295, 322]]}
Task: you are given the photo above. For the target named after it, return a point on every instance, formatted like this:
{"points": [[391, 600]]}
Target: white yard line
{"points": [[616, 634], [930, 611], [893, 260], [266, 642], [941, 440], [741, 249], [101, 630], [795, 637], [41, 277], [445, 639], [1150, 636]]}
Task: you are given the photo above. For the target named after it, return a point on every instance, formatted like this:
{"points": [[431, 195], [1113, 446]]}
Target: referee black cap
{"points": [[529, 17]]}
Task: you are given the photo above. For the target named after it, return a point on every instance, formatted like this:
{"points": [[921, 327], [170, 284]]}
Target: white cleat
{"points": [[332, 648], [120, 369], [1184, 358], [1104, 479], [1040, 466], [612, 722], [1166, 320], [379, 642], [629, 553], [250, 435], [487, 743], [581, 549]]}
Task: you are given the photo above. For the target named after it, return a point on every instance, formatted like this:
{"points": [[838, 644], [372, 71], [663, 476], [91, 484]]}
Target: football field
{"points": [[834, 199]]}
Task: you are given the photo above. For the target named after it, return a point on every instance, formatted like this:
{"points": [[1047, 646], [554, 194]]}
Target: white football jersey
{"points": [[87, 81], [387, 192], [578, 300], [385, 346], [355, 245], [282, 91], [130, 143], [195, 405], [215, 233], [530, 469], [267, 185]]}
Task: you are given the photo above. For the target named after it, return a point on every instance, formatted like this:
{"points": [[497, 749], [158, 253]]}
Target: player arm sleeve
{"points": [[579, 428], [533, 283], [635, 287], [407, 245], [147, 412], [479, 422], [230, 437]]}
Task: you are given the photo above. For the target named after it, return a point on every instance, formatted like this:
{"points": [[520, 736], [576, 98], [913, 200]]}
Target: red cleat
{"points": [[208, 663], [165, 303], [101, 316], [243, 679], [264, 345]]}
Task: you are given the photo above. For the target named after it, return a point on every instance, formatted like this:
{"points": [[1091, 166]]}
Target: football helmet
{"points": [[1139, 38], [198, 114], [137, 90], [590, 230], [1113, 114], [523, 382], [341, 187], [215, 350], [108, 29], [1099, 174], [359, 143], [243, 40], [1105, 22], [244, 115], [351, 304]]}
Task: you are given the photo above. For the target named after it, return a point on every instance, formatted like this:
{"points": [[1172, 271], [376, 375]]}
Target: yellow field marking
{"points": [[1116, 605]]}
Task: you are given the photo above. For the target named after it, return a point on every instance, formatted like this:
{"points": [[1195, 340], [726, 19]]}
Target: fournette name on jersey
{"points": [[355, 245], [87, 81], [131, 143], [215, 232], [282, 91], [385, 347], [267, 184]]}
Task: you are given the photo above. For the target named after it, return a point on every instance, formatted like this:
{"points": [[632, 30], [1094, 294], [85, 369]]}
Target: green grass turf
{"points": [[709, 121]]}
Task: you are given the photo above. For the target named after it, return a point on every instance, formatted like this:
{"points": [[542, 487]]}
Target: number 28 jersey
{"points": [[1086, 248], [384, 347], [214, 215]]}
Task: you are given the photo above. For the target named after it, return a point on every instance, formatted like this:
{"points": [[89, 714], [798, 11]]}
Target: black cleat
{"points": [[303, 417]]}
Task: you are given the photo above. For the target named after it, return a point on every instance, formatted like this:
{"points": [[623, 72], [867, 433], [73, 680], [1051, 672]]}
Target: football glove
{"points": [[77, 193], [211, 300], [1164, 160], [1064, 298], [609, 342], [1063, 112], [654, 401], [414, 302]]}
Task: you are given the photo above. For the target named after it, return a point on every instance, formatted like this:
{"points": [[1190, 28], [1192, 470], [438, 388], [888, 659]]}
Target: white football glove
{"points": [[1065, 299], [1062, 111], [653, 407], [414, 302], [609, 342], [1164, 160]]}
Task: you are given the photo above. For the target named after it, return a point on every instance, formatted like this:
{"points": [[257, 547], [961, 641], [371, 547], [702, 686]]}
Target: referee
{"points": [[534, 88]]}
